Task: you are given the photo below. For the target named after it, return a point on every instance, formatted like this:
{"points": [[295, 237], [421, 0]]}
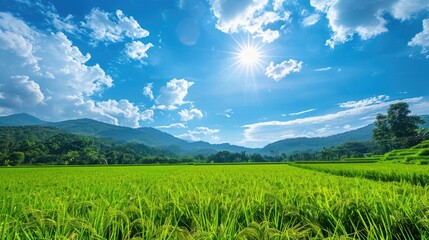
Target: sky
{"points": [[245, 72]]}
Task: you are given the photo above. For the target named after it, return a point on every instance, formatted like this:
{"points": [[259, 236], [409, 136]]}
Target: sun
{"points": [[249, 56]]}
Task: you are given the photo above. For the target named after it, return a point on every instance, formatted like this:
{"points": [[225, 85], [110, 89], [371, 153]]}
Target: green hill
{"points": [[418, 154], [315, 144], [145, 135], [21, 119], [302, 144], [155, 138]]}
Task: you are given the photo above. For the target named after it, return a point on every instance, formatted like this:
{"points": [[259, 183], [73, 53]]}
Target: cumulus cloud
{"points": [[311, 20], [278, 5], [421, 39], [262, 133], [120, 112], [108, 27], [20, 91], [249, 16], [46, 75], [282, 69], [189, 114], [136, 50], [406, 9], [200, 133], [63, 24], [147, 91], [173, 94], [364, 18]]}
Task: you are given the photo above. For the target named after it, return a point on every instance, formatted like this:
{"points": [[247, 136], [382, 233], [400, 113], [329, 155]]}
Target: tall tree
{"points": [[398, 129], [381, 133]]}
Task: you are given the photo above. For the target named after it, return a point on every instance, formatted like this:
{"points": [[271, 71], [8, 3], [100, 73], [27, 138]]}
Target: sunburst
{"points": [[249, 56]]}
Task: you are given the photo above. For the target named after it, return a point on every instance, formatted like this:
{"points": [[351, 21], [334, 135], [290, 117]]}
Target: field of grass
{"points": [[207, 202], [380, 171]]}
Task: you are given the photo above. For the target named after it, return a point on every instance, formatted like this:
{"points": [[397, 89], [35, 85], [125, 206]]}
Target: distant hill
{"points": [[317, 143], [147, 136], [155, 138], [21, 119], [302, 144]]}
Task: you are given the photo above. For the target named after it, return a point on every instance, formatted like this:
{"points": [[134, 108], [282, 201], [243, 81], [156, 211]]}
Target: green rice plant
{"points": [[266, 201], [417, 175]]}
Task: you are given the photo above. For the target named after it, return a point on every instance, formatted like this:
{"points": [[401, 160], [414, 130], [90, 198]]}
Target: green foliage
{"points": [[48, 145], [16, 158], [397, 129], [303, 144], [211, 202], [341, 151], [376, 171]]}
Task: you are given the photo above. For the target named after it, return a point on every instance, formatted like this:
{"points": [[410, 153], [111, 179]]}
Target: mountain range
{"points": [[156, 138]]}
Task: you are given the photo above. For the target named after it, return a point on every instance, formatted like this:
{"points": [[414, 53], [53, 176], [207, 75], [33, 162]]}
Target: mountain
{"points": [[317, 143], [155, 138], [21, 119], [303, 144], [426, 119], [147, 136]]}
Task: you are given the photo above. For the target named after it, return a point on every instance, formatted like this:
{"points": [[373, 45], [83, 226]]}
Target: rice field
{"points": [[271, 201], [379, 171]]}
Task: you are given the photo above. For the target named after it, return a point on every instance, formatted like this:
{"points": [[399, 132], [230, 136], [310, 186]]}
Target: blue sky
{"points": [[246, 72]]}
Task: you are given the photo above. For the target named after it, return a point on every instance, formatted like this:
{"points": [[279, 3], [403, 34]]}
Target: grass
{"points": [[206, 202], [381, 171], [418, 154]]}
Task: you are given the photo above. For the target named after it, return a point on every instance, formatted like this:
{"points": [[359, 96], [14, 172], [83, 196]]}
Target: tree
{"points": [[17, 158], [398, 129], [381, 133]]}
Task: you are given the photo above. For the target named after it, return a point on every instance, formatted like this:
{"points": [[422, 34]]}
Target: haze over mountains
{"points": [[156, 138]]}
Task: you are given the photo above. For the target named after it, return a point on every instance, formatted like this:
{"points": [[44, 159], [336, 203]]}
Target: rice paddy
{"points": [[272, 201]]}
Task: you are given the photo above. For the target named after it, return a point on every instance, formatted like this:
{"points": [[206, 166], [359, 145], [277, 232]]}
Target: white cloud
{"points": [[173, 125], [249, 16], [282, 69], [278, 5], [323, 69], [63, 24], [268, 35], [302, 112], [364, 102], [200, 134], [108, 27], [147, 91], [173, 94], [311, 20], [226, 113], [20, 91], [47, 76], [262, 133], [120, 112], [16, 36], [137, 50], [406, 9], [364, 18], [187, 115], [421, 39]]}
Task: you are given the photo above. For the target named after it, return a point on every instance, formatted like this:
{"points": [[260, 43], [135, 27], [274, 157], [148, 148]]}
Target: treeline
{"points": [[346, 150], [47, 145], [32, 145]]}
